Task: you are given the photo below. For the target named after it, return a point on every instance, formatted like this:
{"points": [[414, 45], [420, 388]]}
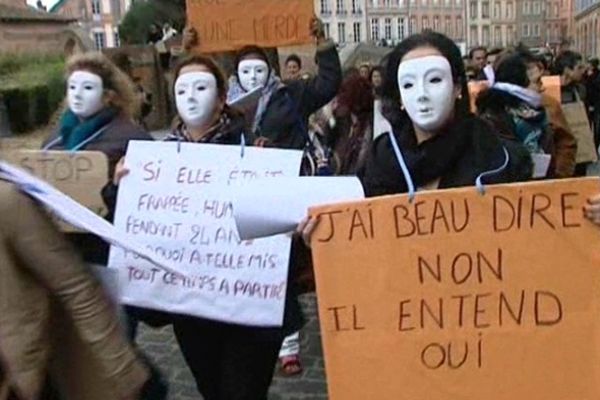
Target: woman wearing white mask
{"points": [[102, 104], [441, 143], [228, 361], [281, 117]]}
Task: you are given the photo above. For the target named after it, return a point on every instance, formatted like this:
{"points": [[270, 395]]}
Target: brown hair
{"points": [[210, 65], [118, 87]]}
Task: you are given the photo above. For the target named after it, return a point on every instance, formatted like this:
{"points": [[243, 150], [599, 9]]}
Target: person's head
{"points": [[252, 68], [355, 96], [426, 76], [95, 83], [200, 91], [364, 70], [512, 68], [154, 28], [569, 65], [533, 67], [293, 66], [594, 63], [376, 77], [478, 56], [493, 55], [471, 73]]}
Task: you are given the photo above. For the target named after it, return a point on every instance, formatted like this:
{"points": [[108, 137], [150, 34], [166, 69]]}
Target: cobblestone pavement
{"points": [[161, 347]]}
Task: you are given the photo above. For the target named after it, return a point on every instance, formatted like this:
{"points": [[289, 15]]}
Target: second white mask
{"points": [[252, 74], [427, 90], [196, 97]]}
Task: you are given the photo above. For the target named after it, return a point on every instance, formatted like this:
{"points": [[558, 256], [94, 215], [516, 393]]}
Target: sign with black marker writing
{"points": [[456, 295], [179, 204], [80, 175], [231, 24]]}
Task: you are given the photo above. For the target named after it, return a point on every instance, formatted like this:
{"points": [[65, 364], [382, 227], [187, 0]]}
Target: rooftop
{"points": [[19, 14]]}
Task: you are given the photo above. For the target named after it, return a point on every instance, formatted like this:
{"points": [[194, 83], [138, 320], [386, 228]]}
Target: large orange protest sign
{"points": [[459, 295], [551, 85], [231, 24]]}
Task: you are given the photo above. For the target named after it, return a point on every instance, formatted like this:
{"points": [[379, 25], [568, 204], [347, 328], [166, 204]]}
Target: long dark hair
{"points": [[447, 49]]}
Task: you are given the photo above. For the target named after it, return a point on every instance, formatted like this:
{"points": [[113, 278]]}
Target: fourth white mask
{"points": [[252, 74], [427, 91], [196, 97], [84, 93]]}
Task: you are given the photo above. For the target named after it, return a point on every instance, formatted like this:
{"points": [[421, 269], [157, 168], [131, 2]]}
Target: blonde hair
{"points": [[119, 90]]}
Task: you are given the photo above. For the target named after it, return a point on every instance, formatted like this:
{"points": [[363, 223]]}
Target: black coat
{"points": [[112, 142], [285, 121], [484, 152]]}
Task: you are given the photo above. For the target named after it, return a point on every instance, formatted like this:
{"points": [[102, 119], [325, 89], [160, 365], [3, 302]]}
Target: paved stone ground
{"points": [[160, 346]]}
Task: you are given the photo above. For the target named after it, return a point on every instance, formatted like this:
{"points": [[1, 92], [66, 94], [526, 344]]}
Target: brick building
{"points": [[344, 20], [492, 23], [586, 14], [99, 18]]}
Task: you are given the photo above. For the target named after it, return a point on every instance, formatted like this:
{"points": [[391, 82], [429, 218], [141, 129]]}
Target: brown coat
{"points": [[41, 273], [565, 145]]}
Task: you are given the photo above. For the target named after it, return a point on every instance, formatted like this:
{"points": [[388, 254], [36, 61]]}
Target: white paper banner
{"points": [[275, 206], [77, 215], [178, 203]]}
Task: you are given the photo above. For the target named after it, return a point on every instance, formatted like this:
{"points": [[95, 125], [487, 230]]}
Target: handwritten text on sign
{"points": [[231, 24], [461, 296], [179, 204], [80, 175]]}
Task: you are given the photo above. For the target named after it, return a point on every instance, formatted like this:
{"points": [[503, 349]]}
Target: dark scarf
{"points": [[434, 157], [74, 131]]}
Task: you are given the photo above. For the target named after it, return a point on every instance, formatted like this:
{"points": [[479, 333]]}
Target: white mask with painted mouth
{"points": [[252, 74], [85, 92], [427, 90], [196, 97]]}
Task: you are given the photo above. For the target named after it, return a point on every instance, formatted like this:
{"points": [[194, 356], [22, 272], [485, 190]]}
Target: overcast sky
{"points": [[47, 3]]}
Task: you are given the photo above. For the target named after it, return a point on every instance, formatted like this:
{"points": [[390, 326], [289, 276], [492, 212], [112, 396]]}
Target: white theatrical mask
{"points": [[85, 92], [427, 90], [252, 74], [196, 96]]}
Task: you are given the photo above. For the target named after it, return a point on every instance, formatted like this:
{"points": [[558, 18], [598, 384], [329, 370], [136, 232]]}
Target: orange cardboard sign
{"points": [[458, 295], [476, 87], [231, 24], [551, 85]]}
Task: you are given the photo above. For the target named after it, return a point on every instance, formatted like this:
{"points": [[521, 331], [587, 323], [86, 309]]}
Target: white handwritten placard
{"points": [[177, 201]]}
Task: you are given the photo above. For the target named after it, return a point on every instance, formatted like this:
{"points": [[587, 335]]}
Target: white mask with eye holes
{"points": [[427, 91], [252, 74], [196, 97], [85, 92]]}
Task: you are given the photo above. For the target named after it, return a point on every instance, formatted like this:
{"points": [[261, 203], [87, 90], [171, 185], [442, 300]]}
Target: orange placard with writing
{"points": [[231, 24], [458, 295], [476, 87], [551, 85]]}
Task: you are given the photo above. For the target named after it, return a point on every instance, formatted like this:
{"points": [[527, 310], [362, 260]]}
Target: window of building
{"points": [[497, 36], [327, 30], [117, 38], [509, 10], [510, 35], [324, 6], [96, 7], [526, 8], [339, 7], [401, 29], [459, 28], [374, 29], [99, 40], [536, 7], [425, 23], [485, 9], [357, 32], [497, 10], [536, 30], [525, 30], [387, 28], [341, 32], [473, 9], [485, 33], [448, 31], [436, 23], [356, 7], [474, 36], [412, 26]]}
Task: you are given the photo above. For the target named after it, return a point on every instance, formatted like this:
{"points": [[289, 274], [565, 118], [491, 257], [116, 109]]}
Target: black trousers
{"points": [[228, 362]]}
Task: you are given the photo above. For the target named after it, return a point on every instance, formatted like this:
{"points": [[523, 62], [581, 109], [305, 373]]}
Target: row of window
{"points": [[100, 40], [532, 7], [497, 41], [499, 12], [341, 6], [582, 5]]}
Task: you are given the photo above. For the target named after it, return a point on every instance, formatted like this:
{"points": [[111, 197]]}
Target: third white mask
{"points": [[252, 74], [85, 92], [196, 97], [427, 90]]}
